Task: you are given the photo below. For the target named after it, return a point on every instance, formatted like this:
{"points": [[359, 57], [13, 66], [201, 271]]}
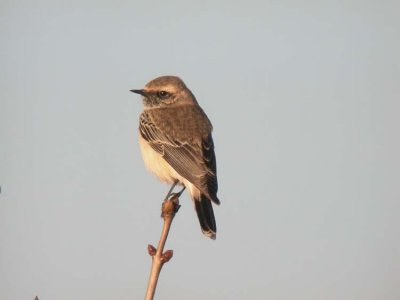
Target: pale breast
{"points": [[157, 165]]}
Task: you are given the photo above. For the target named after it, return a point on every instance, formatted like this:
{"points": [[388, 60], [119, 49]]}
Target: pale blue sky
{"points": [[304, 98]]}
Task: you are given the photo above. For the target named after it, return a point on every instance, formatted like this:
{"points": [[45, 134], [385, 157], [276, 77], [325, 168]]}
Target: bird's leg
{"points": [[181, 191], [171, 189], [170, 193]]}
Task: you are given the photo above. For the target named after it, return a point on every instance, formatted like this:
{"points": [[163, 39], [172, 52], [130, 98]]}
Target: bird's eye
{"points": [[163, 94]]}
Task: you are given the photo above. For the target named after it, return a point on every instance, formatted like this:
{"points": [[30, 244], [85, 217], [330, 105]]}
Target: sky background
{"points": [[304, 99]]}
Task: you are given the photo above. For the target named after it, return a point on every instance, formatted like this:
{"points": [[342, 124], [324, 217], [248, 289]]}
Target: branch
{"points": [[168, 210]]}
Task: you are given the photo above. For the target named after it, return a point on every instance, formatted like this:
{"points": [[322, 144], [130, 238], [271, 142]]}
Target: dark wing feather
{"points": [[193, 159], [210, 161]]}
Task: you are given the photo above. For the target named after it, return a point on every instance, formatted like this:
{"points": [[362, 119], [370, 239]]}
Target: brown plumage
{"points": [[177, 145]]}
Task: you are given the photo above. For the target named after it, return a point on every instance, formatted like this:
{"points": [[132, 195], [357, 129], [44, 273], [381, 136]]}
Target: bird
{"points": [[175, 138]]}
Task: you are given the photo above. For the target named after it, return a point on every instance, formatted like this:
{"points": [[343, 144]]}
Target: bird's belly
{"points": [[156, 164]]}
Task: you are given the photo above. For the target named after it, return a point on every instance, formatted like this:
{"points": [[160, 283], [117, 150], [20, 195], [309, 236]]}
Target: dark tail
{"points": [[206, 217]]}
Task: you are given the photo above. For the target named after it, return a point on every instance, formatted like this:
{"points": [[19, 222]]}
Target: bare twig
{"points": [[169, 208]]}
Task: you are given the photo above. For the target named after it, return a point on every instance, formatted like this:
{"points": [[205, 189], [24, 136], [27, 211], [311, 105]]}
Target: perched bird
{"points": [[177, 146]]}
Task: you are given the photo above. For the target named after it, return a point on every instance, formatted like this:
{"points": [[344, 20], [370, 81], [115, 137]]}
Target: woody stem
{"points": [[169, 208]]}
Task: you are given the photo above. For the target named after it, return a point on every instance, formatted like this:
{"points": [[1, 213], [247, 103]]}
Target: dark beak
{"points": [[140, 92]]}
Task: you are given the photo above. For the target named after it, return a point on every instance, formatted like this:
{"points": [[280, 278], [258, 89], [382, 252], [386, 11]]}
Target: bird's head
{"points": [[165, 91]]}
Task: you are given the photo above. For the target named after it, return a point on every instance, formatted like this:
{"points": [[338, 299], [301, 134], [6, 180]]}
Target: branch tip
{"points": [[170, 207]]}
